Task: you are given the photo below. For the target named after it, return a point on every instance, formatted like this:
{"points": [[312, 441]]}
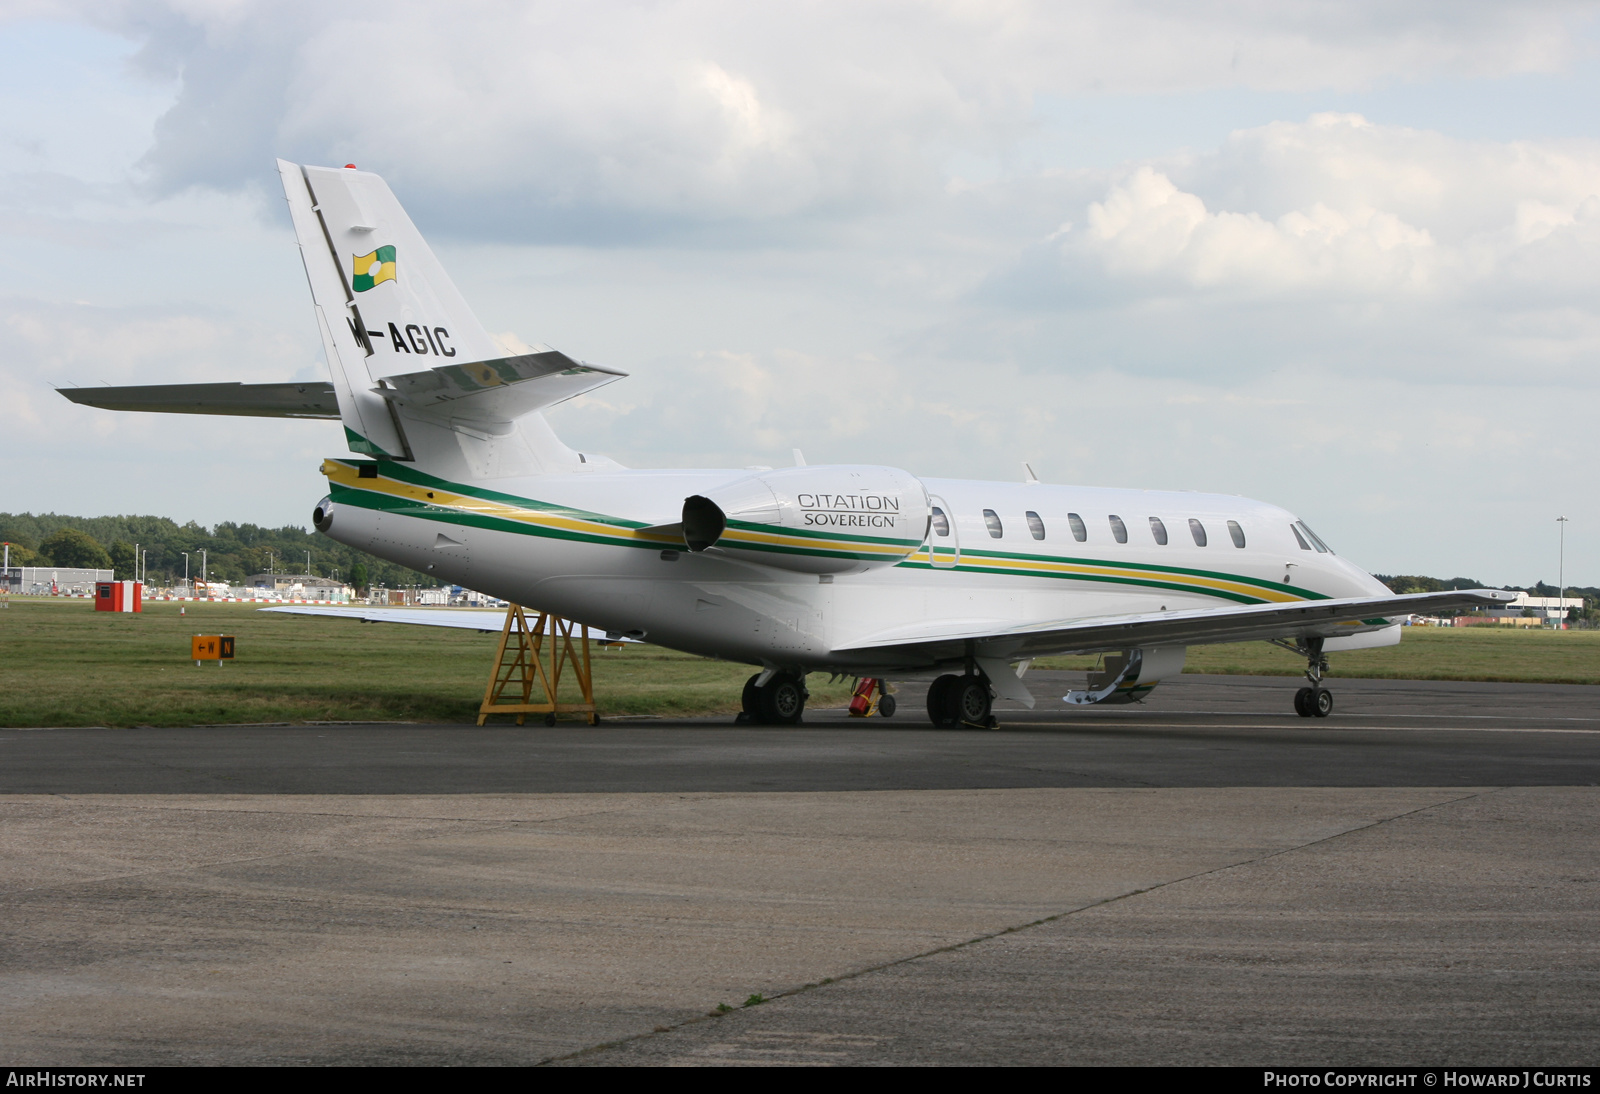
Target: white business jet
{"points": [[848, 569]]}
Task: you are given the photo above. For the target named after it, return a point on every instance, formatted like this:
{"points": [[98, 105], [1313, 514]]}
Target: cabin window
{"points": [[941, 523], [1237, 533], [991, 521], [1079, 532], [1158, 530], [1316, 540], [1119, 531], [1304, 546], [1198, 531], [1035, 525]]}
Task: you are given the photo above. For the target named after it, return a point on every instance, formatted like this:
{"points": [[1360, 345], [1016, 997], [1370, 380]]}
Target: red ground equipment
{"points": [[118, 596], [864, 703]]}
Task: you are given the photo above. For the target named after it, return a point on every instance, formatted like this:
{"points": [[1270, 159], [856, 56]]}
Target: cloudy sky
{"points": [[1339, 256]]}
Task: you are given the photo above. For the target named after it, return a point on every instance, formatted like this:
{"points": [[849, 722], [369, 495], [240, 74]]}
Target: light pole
{"points": [[186, 571], [1561, 572]]}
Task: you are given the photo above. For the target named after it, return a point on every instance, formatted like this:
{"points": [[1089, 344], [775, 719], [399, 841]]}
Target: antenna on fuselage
{"points": [[1027, 469], [799, 458]]}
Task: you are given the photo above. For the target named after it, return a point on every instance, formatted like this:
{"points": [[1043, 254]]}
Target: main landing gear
{"points": [[779, 702], [955, 701], [1315, 701]]}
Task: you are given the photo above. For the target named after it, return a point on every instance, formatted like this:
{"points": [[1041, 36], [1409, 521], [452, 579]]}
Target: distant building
{"points": [[53, 580], [298, 587], [1542, 607]]}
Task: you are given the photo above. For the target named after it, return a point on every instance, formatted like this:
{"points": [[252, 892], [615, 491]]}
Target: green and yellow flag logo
{"points": [[372, 269]]}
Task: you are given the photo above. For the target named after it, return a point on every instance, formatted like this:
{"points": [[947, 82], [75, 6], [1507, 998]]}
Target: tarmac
{"points": [[1200, 879]]}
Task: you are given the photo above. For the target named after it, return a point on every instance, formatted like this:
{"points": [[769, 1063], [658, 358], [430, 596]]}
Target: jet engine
{"points": [[815, 520]]}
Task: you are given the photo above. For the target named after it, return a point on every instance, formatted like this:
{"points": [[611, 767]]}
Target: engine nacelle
{"points": [[814, 520]]}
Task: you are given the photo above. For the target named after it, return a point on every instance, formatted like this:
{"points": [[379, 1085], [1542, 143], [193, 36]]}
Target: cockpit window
{"points": [[1316, 540], [1035, 525], [1236, 532], [1158, 530], [1198, 531], [991, 520], [1079, 532], [941, 523], [1119, 531], [1304, 546]]}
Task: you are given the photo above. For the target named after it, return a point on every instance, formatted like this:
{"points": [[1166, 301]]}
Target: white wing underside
{"points": [[1200, 626], [488, 620]]}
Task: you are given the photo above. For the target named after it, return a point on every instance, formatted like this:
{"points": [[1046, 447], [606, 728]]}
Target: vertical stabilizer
{"points": [[416, 375], [369, 423]]}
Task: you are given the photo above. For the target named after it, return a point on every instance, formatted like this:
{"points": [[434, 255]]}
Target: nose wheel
{"points": [[1313, 702]]}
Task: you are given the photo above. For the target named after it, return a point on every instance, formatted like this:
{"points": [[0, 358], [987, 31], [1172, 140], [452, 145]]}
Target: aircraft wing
{"points": [[1194, 627], [489, 620], [308, 400]]}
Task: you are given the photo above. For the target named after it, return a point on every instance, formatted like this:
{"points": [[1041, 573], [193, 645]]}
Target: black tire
{"points": [[1321, 702], [750, 701], [886, 706], [970, 699], [941, 712], [550, 721], [783, 700], [1302, 702]]}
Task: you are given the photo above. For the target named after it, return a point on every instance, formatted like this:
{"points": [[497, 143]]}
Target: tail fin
{"points": [[390, 316]]}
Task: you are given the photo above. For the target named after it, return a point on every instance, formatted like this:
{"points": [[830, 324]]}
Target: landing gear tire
{"points": [[971, 699], [1313, 702], [886, 706], [750, 702], [1321, 703], [941, 710], [782, 702]]}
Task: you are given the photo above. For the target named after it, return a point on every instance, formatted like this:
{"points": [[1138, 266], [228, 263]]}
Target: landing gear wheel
{"points": [[1302, 702], [750, 702], [886, 706], [783, 700], [550, 721], [941, 711], [1321, 703], [971, 701]]}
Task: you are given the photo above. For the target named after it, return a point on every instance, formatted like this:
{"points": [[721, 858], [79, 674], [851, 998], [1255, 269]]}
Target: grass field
{"points": [[63, 664]]}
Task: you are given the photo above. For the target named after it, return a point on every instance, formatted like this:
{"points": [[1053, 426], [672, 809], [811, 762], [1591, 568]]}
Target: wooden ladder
{"points": [[528, 663]]}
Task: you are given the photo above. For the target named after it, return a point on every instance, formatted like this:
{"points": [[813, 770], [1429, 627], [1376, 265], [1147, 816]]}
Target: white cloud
{"points": [[617, 118]]}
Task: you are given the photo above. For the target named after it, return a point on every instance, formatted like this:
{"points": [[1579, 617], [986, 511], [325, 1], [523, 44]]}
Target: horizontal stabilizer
{"points": [[308, 400], [498, 390]]}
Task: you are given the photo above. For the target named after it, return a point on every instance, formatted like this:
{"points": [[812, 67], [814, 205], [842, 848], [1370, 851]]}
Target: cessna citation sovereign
{"points": [[848, 569]]}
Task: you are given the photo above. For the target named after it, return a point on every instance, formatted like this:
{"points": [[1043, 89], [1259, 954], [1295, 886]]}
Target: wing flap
{"points": [[308, 400]]}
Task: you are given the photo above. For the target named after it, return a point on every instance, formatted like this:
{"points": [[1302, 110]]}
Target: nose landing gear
{"points": [[1314, 701]]}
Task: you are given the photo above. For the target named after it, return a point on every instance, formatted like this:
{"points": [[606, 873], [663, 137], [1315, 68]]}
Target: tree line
{"points": [[233, 551]]}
